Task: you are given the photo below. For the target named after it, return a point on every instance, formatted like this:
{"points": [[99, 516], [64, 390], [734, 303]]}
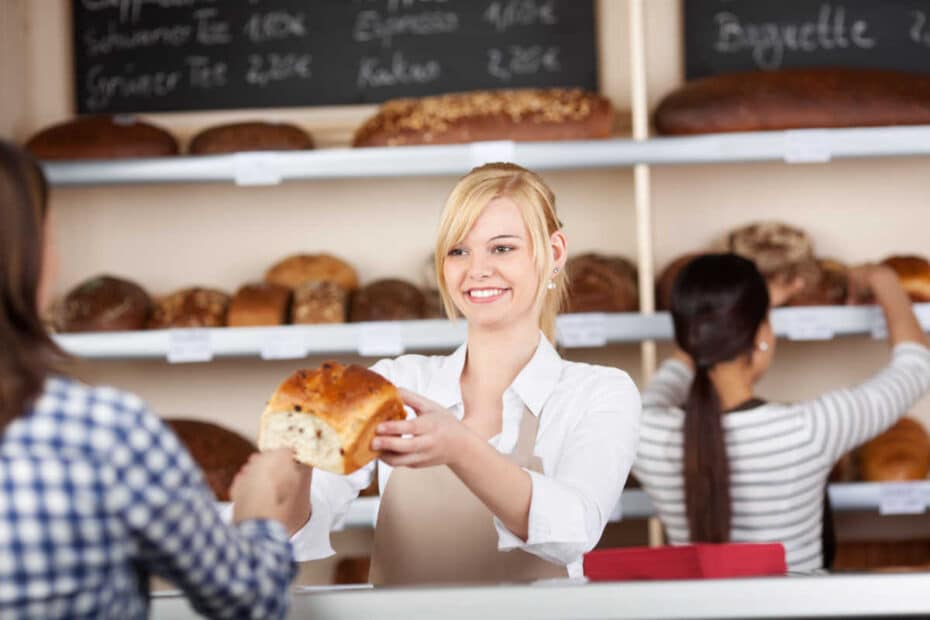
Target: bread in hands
{"points": [[328, 416]]}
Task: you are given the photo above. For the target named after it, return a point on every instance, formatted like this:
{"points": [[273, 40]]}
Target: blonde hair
{"points": [[536, 202]]}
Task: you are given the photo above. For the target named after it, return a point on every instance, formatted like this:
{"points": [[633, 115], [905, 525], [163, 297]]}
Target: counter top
{"points": [[820, 596]]}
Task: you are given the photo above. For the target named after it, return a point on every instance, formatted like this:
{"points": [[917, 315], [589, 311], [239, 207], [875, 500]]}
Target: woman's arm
{"points": [[902, 324]]}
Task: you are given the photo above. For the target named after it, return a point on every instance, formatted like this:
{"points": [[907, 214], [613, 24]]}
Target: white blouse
{"points": [[587, 441]]}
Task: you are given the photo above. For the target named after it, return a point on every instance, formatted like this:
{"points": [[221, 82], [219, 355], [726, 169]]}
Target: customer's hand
{"points": [[272, 485], [433, 437]]}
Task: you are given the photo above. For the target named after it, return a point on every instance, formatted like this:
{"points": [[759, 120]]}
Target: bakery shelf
{"points": [[393, 338], [902, 497], [804, 145]]}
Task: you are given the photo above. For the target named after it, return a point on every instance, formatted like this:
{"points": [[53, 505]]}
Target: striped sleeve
{"points": [[846, 418], [669, 386]]}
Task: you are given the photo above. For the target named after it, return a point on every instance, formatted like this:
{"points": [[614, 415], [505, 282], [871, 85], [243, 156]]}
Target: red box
{"points": [[702, 561]]}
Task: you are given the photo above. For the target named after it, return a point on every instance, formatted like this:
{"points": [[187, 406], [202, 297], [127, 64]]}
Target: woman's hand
{"points": [[433, 437], [272, 485], [782, 289]]}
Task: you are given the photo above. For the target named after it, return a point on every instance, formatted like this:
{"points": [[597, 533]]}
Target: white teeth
{"points": [[488, 292]]}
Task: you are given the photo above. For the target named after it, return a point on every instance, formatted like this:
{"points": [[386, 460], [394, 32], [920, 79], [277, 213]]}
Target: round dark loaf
{"points": [[218, 451], [104, 303], [250, 136], [598, 283], [387, 300], [102, 137]]}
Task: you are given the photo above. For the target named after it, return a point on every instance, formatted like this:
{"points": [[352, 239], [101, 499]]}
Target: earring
{"points": [[763, 346], [551, 285]]}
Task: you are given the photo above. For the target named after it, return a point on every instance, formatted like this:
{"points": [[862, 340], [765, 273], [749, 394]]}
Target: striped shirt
{"points": [[780, 454]]}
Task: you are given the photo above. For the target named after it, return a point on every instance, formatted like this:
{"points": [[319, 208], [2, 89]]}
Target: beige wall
{"points": [[177, 235]]}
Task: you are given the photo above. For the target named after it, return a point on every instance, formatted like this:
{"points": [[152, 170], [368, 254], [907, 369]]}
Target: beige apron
{"points": [[432, 529]]}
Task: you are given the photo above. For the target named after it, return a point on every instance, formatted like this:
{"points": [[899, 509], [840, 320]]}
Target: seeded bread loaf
{"points": [[104, 303], [328, 416], [191, 307], [523, 115], [319, 301], [795, 98], [102, 137], [250, 136]]}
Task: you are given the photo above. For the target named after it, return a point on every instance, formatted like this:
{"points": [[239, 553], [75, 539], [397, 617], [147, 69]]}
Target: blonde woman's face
{"points": [[491, 275]]}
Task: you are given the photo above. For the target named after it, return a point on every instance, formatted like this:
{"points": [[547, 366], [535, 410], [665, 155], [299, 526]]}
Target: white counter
{"points": [[833, 596]]}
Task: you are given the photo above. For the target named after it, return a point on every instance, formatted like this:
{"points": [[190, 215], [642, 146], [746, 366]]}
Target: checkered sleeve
{"points": [[227, 572]]}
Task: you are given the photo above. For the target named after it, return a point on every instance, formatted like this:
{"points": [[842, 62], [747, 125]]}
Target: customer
{"points": [[95, 491]]}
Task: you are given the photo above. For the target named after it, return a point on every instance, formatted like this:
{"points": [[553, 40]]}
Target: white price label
{"points": [[877, 325], [582, 330], [257, 168], [482, 153], [807, 146], [803, 324], [189, 345], [284, 344], [903, 498], [380, 339], [923, 315]]}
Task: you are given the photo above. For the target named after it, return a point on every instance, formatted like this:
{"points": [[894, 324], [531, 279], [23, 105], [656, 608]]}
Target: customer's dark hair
{"points": [[27, 352], [718, 303]]}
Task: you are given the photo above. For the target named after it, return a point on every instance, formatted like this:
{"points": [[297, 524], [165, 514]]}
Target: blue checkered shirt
{"points": [[96, 493]]}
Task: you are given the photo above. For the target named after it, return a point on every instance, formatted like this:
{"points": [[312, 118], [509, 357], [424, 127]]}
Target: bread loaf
{"points": [[900, 453], [250, 136], [218, 451], [102, 137], [795, 98], [104, 303], [666, 280], [526, 114], [328, 416], [295, 270], [259, 304], [352, 570], [914, 275], [319, 302], [387, 300], [191, 307], [598, 283], [829, 289]]}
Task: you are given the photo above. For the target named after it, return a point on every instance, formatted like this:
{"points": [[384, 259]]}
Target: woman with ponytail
{"points": [[721, 464], [515, 457]]}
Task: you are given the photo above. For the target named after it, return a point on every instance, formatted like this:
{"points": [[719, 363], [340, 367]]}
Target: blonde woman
{"points": [[515, 457]]}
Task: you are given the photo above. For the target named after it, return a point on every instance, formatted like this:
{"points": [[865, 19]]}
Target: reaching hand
{"points": [[272, 485], [431, 438]]}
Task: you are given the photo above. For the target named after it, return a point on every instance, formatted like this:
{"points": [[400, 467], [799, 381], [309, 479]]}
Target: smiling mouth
{"points": [[485, 294]]}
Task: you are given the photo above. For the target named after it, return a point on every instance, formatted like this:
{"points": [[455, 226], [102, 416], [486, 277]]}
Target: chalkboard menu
{"points": [[723, 36], [158, 55]]}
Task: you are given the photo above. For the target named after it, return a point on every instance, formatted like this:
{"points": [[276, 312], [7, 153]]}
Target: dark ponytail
{"points": [[718, 303]]}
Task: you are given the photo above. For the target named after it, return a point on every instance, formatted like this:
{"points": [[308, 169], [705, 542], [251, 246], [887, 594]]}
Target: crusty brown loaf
{"points": [[914, 275], [218, 451], [598, 283], [250, 136], [795, 98], [387, 300], [191, 307], [525, 114], [104, 303], [900, 453], [299, 268], [102, 137], [666, 280], [319, 302], [349, 400], [352, 570], [830, 288], [259, 304]]}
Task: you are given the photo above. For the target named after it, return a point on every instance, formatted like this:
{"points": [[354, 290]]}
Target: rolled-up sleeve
{"points": [[571, 504]]}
